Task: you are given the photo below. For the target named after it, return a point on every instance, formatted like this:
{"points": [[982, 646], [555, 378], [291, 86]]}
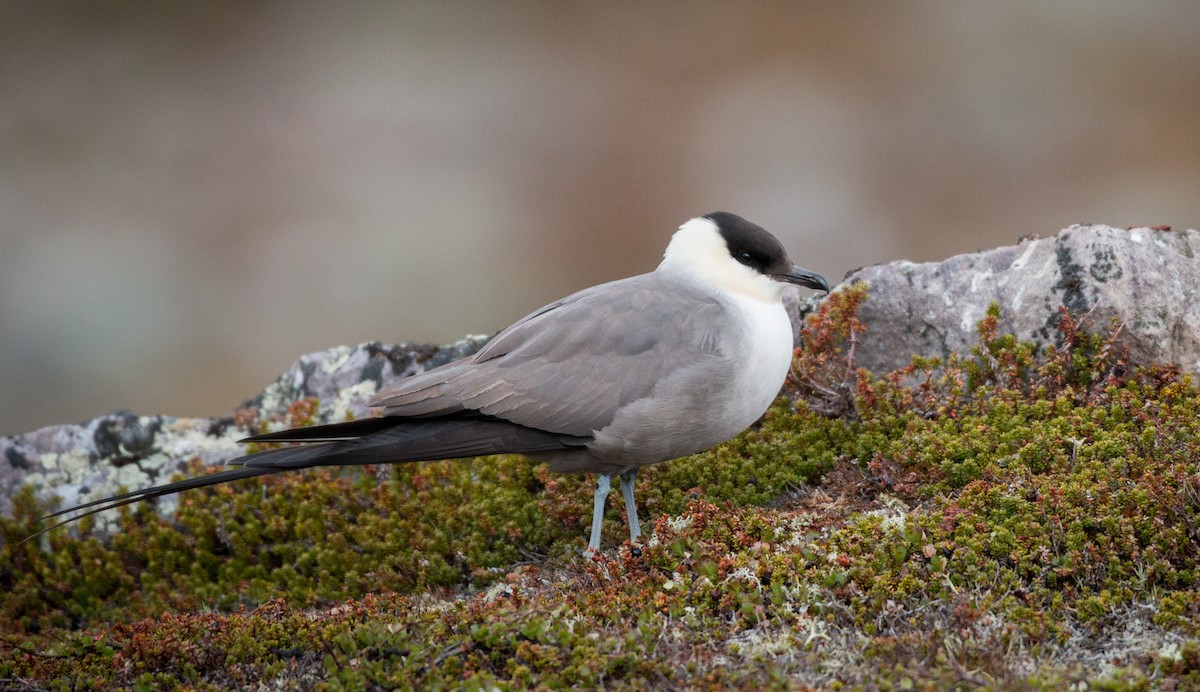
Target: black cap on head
{"points": [[751, 244], [754, 247]]}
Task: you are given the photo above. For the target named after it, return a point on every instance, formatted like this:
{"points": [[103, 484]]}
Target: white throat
{"points": [[698, 254]]}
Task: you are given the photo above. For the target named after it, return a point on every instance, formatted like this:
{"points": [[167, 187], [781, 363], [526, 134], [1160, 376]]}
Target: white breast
{"points": [[766, 356]]}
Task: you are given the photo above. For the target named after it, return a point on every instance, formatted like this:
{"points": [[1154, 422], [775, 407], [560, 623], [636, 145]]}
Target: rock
{"points": [[344, 378], [1147, 279], [94, 459]]}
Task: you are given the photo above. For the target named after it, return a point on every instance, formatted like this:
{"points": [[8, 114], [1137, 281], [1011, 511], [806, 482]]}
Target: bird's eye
{"points": [[745, 258]]}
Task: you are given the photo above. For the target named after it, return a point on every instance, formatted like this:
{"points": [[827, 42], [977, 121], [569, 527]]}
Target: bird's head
{"points": [[723, 251]]}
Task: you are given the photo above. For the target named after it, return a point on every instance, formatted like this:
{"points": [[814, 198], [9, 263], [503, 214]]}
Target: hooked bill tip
{"points": [[803, 277]]}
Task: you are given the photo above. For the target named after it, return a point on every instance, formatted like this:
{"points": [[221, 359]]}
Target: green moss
{"points": [[1004, 518]]}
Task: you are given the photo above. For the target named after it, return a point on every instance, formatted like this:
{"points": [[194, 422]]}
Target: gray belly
{"points": [[697, 418]]}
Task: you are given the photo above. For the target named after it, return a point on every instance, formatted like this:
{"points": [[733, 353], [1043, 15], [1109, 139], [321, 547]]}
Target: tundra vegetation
{"points": [[1018, 516]]}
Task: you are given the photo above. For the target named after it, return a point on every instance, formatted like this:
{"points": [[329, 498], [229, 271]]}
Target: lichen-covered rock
{"points": [[342, 379], [94, 459], [1146, 279]]}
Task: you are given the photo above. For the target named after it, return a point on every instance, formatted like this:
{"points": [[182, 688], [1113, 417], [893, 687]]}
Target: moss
{"points": [[1011, 517]]}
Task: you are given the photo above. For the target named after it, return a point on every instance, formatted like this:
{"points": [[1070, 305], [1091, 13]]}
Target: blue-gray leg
{"points": [[635, 530], [603, 484]]}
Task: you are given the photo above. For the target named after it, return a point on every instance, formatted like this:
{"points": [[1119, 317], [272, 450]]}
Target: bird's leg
{"points": [[635, 530], [603, 484]]}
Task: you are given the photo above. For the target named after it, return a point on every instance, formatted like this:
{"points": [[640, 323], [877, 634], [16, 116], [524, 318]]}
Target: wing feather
{"points": [[569, 367]]}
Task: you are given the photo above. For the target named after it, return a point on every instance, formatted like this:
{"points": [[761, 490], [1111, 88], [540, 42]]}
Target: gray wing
{"points": [[568, 367]]}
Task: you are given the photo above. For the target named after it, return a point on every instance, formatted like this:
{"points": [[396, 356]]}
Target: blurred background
{"points": [[192, 195]]}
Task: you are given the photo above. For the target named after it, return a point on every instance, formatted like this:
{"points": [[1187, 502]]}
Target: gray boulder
{"points": [[95, 458], [1147, 279]]}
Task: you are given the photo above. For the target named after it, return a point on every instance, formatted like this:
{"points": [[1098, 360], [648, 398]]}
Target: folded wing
{"points": [[569, 367]]}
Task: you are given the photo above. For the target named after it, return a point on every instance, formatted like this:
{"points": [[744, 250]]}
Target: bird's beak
{"points": [[803, 277]]}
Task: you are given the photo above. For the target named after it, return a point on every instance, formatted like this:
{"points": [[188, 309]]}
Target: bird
{"points": [[608, 380]]}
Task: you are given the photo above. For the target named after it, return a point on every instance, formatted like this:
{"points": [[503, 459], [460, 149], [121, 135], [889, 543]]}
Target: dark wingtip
{"points": [[331, 432]]}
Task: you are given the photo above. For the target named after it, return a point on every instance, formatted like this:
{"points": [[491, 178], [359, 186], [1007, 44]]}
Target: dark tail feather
{"points": [[423, 440], [333, 432], [380, 441], [149, 493]]}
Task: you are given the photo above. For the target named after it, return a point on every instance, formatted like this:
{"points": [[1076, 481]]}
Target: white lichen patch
{"points": [[892, 516], [815, 631], [1170, 652], [351, 401], [336, 358], [743, 574], [186, 438], [795, 530], [64, 474], [498, 590], [763, 643], [892, 523], [67, 465]]}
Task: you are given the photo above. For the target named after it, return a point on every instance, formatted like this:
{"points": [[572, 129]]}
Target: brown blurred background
{"points": [[192, 195]]}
